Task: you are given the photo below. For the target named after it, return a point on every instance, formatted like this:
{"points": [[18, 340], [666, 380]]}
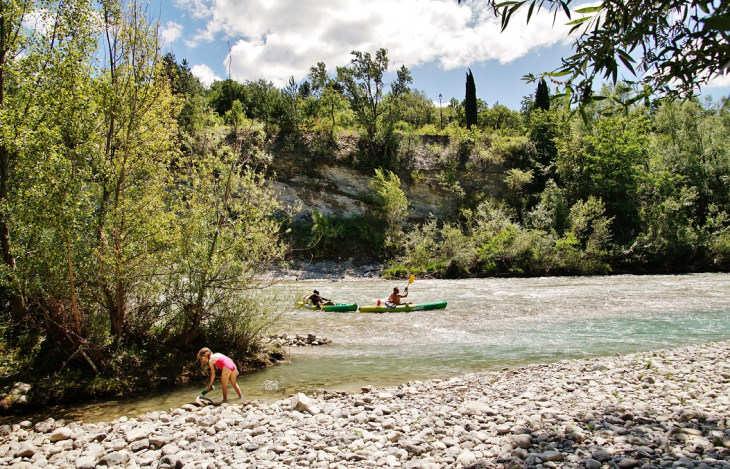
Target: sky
{"points": [[438, 40]]}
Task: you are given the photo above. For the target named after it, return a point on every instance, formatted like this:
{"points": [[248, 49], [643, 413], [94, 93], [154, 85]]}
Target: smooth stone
{"points": [[552, 456], [628, 463], [59, 434], [602, 455]]}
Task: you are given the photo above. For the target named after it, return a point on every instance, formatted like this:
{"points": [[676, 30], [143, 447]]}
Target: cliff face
{"points": [[335, 189]]}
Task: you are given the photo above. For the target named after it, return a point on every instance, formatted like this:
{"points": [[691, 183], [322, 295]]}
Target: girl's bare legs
{"points": [[235, 386], [225, 372]]}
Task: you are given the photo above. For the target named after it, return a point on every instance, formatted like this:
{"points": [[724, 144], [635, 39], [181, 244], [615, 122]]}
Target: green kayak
{"points": [[338, 308], [403, 308]]}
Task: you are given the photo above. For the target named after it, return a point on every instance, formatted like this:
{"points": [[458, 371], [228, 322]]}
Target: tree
{"points": [[222, 93], [418, 109], [607, 162], [500, 117], [190, 90], [542, 96], [230, 235], [46, 109], [12, 42], [265, 102], [672, 47], [137, 118], [329, 92], [470, 102], [291, 121], [392, 201], [363, 86]]}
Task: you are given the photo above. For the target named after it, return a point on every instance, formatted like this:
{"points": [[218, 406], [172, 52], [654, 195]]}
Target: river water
{"points": [[488, 324]]}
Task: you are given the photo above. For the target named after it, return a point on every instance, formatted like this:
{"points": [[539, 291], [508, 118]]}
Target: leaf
{"points": [[529, 12], [587, 10], [583, 115], [627, 60], [579, 21], [559, 74], [718, 23], [565, 8]]}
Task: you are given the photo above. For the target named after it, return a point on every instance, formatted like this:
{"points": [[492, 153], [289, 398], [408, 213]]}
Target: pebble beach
{"points": [[665, 408]]}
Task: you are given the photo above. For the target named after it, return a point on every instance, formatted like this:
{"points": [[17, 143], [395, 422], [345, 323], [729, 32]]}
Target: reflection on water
{"points": [[489, 324]]}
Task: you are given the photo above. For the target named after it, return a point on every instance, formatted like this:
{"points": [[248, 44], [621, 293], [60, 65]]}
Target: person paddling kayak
{"points": [[317, 300], [395, 298]]}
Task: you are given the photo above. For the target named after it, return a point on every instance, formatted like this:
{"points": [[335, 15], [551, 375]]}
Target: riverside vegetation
{"points": [[137, 210]]}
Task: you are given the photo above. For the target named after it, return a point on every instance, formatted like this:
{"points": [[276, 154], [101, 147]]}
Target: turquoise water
{"points": [[488, 324]]}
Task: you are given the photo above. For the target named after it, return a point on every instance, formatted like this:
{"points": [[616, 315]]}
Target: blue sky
{"points": [[438, 40]]}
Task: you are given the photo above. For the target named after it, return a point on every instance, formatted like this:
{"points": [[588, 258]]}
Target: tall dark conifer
{"points": [[470, 102], [542, 96]]}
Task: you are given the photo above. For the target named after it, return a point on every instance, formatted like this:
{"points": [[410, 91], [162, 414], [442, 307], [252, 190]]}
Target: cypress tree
{"points": [[470, 102], [542, 96]]}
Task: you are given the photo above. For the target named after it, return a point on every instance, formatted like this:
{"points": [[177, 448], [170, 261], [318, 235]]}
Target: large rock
{"points": [[476, 408], [59, 434], [302, 403]]}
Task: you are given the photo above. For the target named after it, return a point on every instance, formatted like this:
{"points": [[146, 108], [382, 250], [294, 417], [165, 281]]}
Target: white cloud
{"points": [[276, 39], [204, 73], [719, 81], [171, 32]]}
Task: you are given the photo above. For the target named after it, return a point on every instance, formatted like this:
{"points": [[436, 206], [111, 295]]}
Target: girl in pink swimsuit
{"points": [[223, 363]]}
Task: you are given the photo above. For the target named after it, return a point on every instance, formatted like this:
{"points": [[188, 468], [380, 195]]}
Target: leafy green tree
{"points": [[13, 39], [608, 163], [417, 109], [265, 103], [692, 141], [292, 120], [329, 94], [137, 117], [363, 86], [186, 86], [500, 117], [235, 117], [222, 93], [392, 201], [673, 47], [589, 225], [46, 113], [470, 102], [230, 235]]}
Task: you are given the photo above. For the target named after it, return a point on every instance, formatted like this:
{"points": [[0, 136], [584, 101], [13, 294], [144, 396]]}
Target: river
{"points": [[488, 324]]}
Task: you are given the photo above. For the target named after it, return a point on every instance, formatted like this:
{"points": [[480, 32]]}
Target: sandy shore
{"points": [[667, 408]]}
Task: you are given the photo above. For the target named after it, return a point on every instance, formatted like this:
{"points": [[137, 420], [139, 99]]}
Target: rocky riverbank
{"points": [[343, 269], [667, 408]]}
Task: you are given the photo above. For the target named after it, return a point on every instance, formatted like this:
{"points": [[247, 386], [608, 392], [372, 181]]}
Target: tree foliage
{"points": [[470, 102], [92, 202], [671, 47], [542, 96], [363, 86]]}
